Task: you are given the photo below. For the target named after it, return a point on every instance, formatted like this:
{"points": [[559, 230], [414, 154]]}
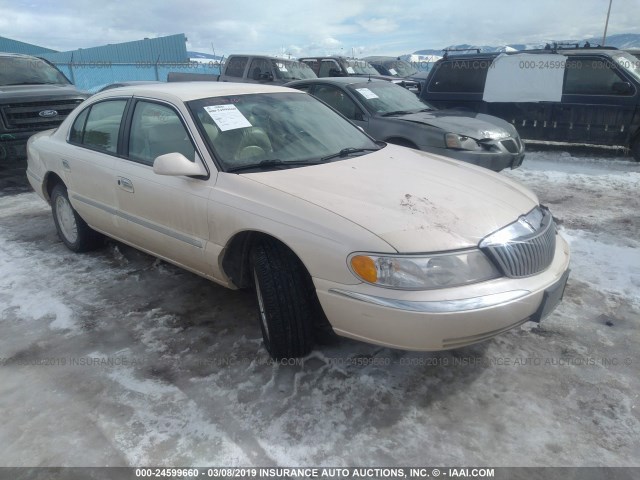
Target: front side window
{"points": [[260, 69], [98, 126], [337, 99], [155, 130], [630, 63], [461, 76], [275, 130], [235, 66], [590, 76]]}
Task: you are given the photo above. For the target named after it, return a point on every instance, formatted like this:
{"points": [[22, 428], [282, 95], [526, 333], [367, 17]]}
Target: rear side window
{"points": [[98, 126], [460, 76], [75, 136], [590, 76], [235, 66]]}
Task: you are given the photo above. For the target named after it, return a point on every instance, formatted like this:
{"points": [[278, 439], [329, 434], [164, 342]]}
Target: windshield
{"points": [[630, 63], [360, 67], [291, 70], [277, 129], [29, 71], [384, 97], [399, 68]]}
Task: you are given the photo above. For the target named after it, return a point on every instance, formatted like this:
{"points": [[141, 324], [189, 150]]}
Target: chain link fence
{"points": [[92, 76]]}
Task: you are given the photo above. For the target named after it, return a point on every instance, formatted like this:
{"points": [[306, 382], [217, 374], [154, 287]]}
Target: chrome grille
{"points": [[27, 115], [524, 255]]}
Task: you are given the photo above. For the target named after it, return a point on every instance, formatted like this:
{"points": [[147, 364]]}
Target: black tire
{"points": [[403, 143], [287, 302], [635, 149], [72, 230]]}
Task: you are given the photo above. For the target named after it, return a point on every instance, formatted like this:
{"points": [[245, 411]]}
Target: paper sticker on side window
{"points": [[227, 117], [366, 93], [350, 70], [281, 67]]}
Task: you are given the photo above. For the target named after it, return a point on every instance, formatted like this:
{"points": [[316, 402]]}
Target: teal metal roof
{"points": [[14, 46], [167, 49]]}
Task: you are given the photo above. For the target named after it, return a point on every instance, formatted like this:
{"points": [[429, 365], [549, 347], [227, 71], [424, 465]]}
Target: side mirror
{"points": [[622, 88], [334, 72], [268, 76], [175, 164]]}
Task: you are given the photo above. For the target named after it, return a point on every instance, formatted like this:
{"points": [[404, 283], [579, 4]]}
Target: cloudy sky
{"points": [[305, 27]]}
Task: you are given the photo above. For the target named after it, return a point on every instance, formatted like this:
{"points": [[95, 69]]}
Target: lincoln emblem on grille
{"points": [[48, 113]]}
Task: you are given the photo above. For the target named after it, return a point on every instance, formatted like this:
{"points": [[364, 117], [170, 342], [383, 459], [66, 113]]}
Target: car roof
{"points": [[337, 80], [380, 58], [558, 51], [270, 57], [186, 91]]}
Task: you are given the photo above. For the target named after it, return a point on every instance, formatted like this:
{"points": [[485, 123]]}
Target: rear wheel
{"points": [[286, 300], [403, 143], [72, 230]]}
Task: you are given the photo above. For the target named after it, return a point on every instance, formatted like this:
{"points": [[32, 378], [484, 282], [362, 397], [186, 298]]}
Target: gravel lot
{"points": [[114, 358]]}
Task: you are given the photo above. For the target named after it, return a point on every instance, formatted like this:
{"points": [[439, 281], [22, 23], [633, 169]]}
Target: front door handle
{"points": [[125, 184]]}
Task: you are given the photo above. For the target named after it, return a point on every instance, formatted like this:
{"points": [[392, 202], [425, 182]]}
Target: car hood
{"points": [[474, 125], [415, 201], [34, 92]]}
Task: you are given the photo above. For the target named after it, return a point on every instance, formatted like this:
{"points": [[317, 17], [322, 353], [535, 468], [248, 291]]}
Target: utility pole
{"points": [[606, 24]]}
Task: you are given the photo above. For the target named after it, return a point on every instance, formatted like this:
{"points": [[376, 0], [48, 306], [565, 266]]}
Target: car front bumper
{"points": [[443, 319]]}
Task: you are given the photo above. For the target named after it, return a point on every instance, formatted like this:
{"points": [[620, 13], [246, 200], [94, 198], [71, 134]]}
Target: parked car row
{"points": [[268, 188]]}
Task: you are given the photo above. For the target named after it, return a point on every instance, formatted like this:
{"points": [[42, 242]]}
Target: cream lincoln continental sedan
{"points": [[268, 188]]}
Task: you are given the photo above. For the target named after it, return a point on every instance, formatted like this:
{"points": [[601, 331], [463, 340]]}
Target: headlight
{"points": [[409, 272], [460, 142]]}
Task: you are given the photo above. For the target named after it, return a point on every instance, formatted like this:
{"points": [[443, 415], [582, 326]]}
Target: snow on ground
{"points": [[115, 358]]}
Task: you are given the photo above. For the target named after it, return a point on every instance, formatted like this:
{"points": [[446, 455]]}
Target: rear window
{"points": [[460, 76]]}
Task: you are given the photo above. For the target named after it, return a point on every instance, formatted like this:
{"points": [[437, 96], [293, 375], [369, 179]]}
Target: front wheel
{"points": [[286, 300], [635, 149], [71, 228]]}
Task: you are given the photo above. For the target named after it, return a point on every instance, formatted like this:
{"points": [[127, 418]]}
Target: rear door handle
{"points": [[125, 184]]}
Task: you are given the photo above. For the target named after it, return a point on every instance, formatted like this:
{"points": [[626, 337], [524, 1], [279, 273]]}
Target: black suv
{"points": [[564, 94], [34, 96]]}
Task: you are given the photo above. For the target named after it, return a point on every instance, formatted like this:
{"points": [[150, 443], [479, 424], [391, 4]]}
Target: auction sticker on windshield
{"points": [[366, 93], [227, 117]]}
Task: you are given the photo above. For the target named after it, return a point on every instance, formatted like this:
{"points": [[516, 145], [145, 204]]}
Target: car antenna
{"points": [[369, 78]]}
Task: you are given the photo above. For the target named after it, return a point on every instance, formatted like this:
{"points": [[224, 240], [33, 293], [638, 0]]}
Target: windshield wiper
{"points": [[397, 112], [266, 164], [29, 83], [348, 151]]}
